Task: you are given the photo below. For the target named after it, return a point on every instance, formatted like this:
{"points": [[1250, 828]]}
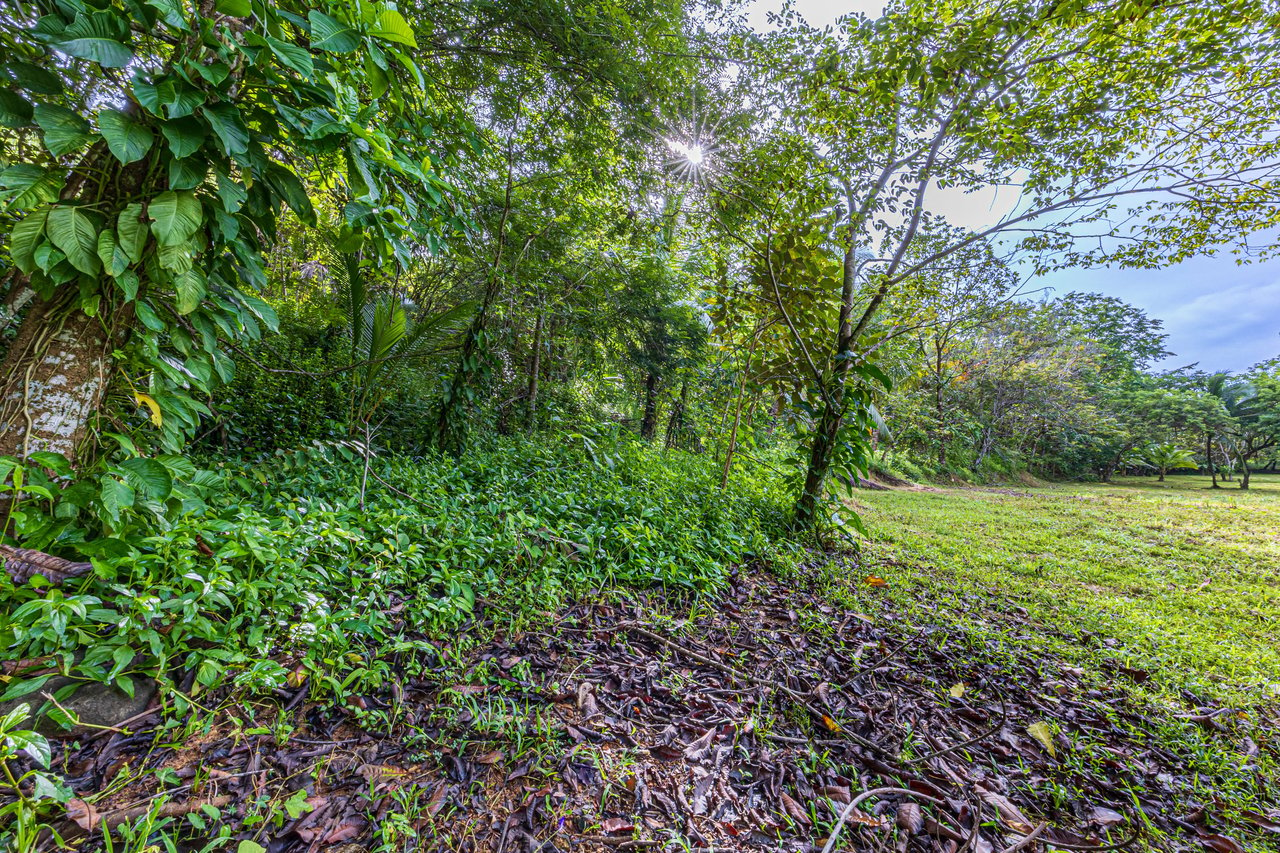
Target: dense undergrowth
{"points": [[304, 554]]}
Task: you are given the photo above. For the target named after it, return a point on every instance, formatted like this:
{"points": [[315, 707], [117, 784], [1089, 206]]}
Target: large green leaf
{"points": [[292, 56], [190, 290], [33, 78], [175, 217], [15, 110], [226, 122], [96, 36], [390, 25], [115, 495], [75, 232], [113, 258], [188, 173], [148, 476], [331, 36], [27, 185], [185, 135], [128, 140], [64, 130], [25, 236], [234, 8], [177, 258], [132, 229], [287, 185]]}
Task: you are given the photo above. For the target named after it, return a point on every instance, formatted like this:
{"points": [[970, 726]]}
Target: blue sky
{"points": [[1218, 314]]}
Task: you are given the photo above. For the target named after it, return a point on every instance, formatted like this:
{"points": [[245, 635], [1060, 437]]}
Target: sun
{"points": [[690, 157]]}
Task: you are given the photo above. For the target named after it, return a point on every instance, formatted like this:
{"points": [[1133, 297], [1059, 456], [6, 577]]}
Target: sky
{"points": [[1219, 315]]}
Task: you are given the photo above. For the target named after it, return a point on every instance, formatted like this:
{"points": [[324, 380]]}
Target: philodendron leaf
{"points": [[190, 289], [390, 25], [128, 140], [175, 217], [75, 232], [148, 476], [113, 258], [131, 230], [64, 131], [185, 135], [28, 185], [15, 110], [25, 237], [229, 126], [331, 36], [97, 37]]}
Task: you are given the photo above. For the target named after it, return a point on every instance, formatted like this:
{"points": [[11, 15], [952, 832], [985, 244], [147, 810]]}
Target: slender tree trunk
{"points": [[819, 464], [650, 422], [940, 414], [1208, 455], [676, 422], [55, 373], [833, 409], [535, 364], [1244, 471], [1161, 478]]}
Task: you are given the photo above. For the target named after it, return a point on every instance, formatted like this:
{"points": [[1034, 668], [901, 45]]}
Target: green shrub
{"points": [[286, 557]]}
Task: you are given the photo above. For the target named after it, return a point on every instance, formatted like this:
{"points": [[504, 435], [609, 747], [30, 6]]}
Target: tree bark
{"points": [[1208, 455], [675, 423], [650, 422], [56, 373], [535, 365], [833, 409]]}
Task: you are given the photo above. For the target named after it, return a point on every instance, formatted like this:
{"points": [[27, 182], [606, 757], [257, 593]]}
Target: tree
{"points": [[1167, 457], [1253, 403], [158, 145], [1099, 107]]}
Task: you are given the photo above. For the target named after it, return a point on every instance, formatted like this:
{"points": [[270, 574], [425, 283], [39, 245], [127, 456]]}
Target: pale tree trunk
{"points": [[535, 365], [55, 375]]}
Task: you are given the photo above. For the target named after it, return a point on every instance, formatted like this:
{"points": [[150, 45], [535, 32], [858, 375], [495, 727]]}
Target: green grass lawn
{"points": [[1172, 579]]}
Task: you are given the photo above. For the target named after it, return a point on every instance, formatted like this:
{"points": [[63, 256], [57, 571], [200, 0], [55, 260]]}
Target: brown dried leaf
{"points": [[910, 818], [794, 809]]}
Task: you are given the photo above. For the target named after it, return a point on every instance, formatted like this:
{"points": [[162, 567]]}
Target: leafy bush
{"points": [[280, 559]]}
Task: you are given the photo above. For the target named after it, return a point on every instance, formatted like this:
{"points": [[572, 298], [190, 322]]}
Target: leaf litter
{"points": [[753, 722]]}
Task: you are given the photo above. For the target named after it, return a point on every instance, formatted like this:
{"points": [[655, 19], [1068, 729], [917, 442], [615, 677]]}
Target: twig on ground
{"points": [[863, 797], [1026, 840], [1004, 716]]}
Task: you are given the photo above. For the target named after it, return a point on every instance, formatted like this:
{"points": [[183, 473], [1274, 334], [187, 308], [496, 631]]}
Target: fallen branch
{"points": [[89, 819]]}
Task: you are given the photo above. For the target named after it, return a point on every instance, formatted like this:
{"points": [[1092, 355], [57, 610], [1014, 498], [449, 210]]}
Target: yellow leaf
{"points": [[1042, 733], [831, 724], [957, 691], [872, 580], [150, 402]]}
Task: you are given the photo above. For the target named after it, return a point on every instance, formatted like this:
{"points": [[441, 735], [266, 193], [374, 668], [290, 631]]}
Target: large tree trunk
{"points": [[55, 375], [650, 422], [1244, 471]]}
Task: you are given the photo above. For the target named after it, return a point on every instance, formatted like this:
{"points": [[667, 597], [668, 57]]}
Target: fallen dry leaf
{"points": [[1044, 736]]}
